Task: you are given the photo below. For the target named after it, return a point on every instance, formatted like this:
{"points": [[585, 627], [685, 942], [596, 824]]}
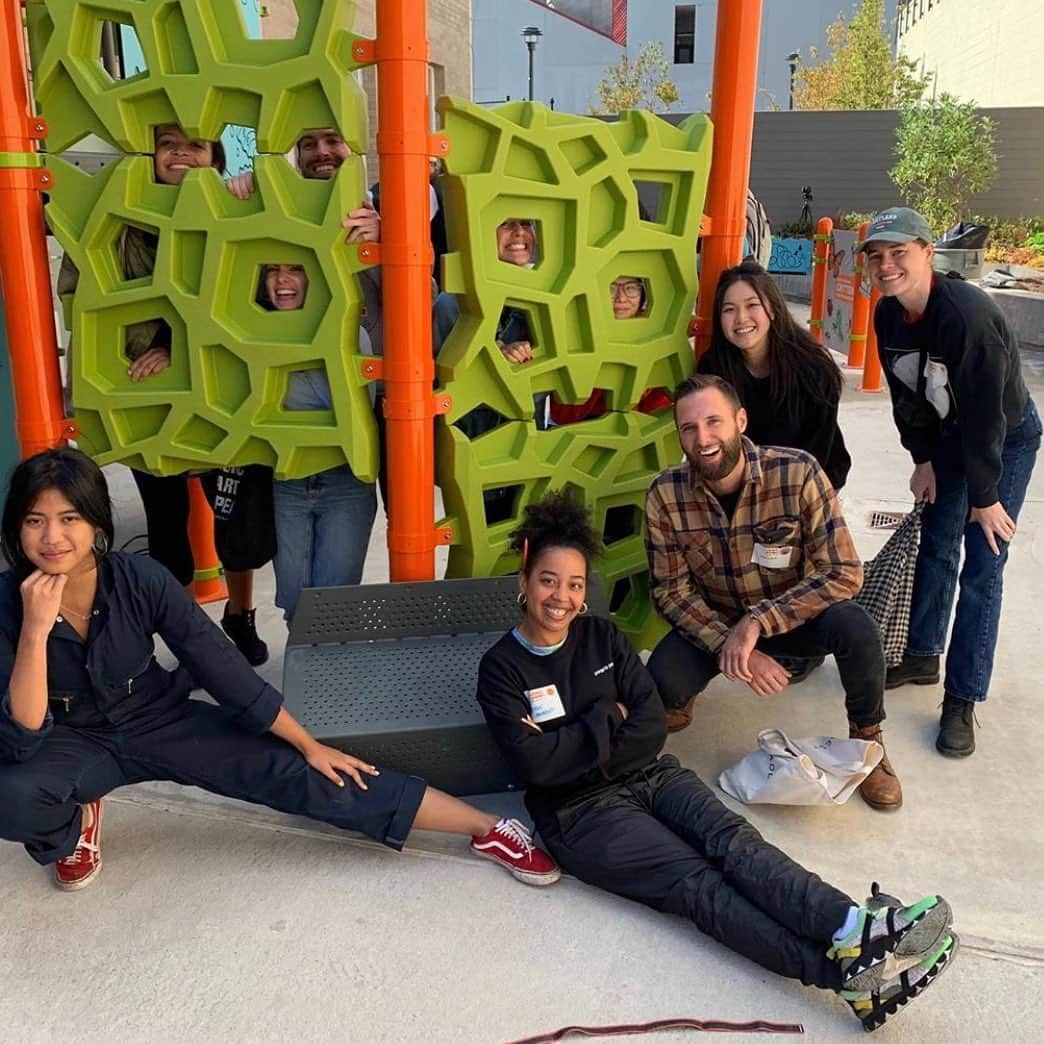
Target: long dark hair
{"points": [[71, 473], [558, 520], [799, 368]]}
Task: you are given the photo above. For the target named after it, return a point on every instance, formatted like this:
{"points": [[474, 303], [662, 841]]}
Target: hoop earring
{"points": [[583, 609], [520, 600], [100, 549]]}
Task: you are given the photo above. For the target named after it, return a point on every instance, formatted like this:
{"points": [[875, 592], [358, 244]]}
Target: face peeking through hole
{"points": [[286, 286]]}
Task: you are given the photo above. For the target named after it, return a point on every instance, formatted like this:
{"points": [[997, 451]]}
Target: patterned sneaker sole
{"points": [[528, 877], [919, 939], [873, 1013]]}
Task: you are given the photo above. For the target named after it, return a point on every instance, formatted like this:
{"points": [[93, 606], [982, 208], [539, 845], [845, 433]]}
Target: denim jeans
{"points": [[323, 525], [969, 662]]}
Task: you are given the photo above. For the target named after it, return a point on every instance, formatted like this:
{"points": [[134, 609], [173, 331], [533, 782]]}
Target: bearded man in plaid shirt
{"points": [[750, 559]]}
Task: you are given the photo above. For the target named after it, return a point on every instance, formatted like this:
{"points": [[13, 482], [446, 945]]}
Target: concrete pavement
{"points": [[216, 921]]}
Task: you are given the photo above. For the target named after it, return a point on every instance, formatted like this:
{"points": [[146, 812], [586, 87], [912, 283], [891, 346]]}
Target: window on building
{"points": [[684, 34]]}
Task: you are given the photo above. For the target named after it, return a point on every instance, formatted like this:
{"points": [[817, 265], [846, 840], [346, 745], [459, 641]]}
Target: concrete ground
{"points": [[216, 921]]}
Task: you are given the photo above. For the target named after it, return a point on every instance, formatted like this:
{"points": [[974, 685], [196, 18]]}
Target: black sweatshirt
{"points": [[590, 744], [955, 367], [814, 429]]}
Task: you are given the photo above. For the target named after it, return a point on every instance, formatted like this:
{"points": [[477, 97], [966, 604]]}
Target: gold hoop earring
{"points": [[583, 609], [520, 600]]}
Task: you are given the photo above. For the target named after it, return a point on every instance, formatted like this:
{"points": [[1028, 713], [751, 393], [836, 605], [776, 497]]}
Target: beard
{"points": [[731, 452]]}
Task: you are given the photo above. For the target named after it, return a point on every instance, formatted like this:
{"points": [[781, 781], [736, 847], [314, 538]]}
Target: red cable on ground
{"points": [[703, 1025]]}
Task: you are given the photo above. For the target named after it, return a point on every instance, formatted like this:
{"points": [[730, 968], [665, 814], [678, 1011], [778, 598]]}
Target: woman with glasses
{"points": [[629, 299]]}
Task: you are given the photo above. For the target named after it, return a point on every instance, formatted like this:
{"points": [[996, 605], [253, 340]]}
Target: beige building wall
{"points": [[987, 51], [449, 30]]}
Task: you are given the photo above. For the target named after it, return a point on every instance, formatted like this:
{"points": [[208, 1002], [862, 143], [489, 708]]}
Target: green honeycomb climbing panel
{"points": [[609, 461], [202, 71], [577, 178], [220, 401]]}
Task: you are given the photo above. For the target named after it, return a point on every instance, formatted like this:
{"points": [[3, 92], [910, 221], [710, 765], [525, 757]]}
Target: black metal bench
{"points": [[388, 671]]}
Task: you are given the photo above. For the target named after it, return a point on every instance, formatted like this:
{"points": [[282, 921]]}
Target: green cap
{"points": [[897, 225]]}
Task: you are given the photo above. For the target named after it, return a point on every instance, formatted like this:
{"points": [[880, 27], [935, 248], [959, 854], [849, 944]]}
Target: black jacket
{"points": [[115, 671], [956, 368], [813, 428], [591, 744]]}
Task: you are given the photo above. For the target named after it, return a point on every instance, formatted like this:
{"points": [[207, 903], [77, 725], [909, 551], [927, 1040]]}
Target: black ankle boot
{"points": [[956, 728], [913, 670], [240, 628]]}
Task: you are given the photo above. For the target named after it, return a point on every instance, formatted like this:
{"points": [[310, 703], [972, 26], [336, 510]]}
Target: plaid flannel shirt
{"points": [[702, 565]]}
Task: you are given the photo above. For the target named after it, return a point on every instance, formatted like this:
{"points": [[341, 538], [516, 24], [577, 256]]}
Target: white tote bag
{"points": [[817, 770]]}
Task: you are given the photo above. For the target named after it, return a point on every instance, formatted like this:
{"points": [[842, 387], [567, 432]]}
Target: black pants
{"points": [[194, 744], [662, 838], [244, 518], [845, 630]]}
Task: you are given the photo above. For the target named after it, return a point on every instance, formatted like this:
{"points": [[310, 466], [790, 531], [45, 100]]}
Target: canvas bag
{"points": [[888, 582], [817, 770]]}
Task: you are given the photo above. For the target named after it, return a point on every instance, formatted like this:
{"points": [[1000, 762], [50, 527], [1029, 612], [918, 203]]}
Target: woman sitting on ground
{"points": [[579, 719], [630, 299], [85, 708], [788, 384]]}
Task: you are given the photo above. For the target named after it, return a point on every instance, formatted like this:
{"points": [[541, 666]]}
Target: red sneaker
{"points": [[83, 866], [510, 844]]}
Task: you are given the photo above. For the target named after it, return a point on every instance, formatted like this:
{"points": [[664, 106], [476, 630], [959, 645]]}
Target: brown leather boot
{"points": [[679, 718], [881, 789]]}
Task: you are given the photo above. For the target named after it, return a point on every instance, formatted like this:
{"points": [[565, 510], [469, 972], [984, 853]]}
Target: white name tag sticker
{"points": [[772, 557], [545, 704]]}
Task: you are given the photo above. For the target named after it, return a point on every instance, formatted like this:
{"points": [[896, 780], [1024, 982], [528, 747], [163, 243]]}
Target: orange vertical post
{"points": [[732, 112], [403, 144], [25, 281], [207, 585], [872, 363], [820, 257], [860, 309]]}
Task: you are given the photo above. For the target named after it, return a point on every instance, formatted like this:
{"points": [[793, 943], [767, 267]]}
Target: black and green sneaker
{"points": [[875, 1008], [889, 938]]}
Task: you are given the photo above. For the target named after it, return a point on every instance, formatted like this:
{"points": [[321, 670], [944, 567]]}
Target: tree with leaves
{"points": [[946, 152], [641, 84], [861, 72]]}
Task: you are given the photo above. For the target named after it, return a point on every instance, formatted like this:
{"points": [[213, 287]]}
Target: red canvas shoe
{"points": [[510, 844], [84, 865]]}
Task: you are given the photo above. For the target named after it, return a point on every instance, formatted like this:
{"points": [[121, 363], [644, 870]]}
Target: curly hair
{"points": [[799, 367], [558, 520]]}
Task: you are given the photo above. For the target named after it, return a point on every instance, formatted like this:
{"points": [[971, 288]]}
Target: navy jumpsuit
{"points": [[116, 717]]}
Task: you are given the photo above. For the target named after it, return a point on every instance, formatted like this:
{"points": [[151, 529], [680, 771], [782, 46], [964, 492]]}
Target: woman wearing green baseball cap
{"points": [[963, 411]]}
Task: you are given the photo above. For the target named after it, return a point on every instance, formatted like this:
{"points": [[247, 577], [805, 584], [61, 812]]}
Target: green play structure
{"points": [[220, 401]]}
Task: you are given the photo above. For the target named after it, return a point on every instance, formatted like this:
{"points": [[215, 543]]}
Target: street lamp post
{"points": [[792, 60], [531, 34]]}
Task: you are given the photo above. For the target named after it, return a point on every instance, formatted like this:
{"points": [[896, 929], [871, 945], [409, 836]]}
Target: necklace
{"points": [[73, 612]]}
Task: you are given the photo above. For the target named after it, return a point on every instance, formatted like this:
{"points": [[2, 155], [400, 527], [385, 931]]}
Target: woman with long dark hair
{"points": [[787, 382], [579, 719], [85, 708]]}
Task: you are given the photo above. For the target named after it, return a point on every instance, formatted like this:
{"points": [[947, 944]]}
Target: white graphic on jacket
{"points": [[904, 364]]}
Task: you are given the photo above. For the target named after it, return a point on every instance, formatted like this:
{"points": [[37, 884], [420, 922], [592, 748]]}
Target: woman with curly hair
{"points": [[787, 383], [579, 719]]}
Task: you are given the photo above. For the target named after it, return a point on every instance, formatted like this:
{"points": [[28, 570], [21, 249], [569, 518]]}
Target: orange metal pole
{"points": [[207, 585], [406, 258], [860, 309], [732, 113], [820, 257], [872, 363], [25, 282]]}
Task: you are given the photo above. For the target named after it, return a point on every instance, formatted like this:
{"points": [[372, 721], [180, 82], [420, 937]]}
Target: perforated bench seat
{"points": [[388, 671]]}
